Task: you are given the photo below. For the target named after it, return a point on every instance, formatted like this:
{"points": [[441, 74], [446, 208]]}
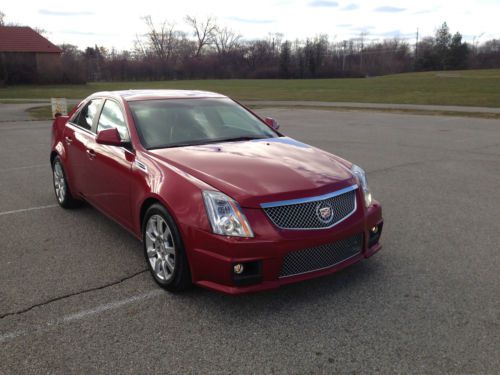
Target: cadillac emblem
{"points": [[324, 212]]}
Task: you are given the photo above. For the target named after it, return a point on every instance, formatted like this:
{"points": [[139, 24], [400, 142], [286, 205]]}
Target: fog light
{"points": [[374, 235], [238, 268]]}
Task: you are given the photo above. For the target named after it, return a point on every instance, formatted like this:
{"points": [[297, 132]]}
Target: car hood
{"points": [[263, 170]]}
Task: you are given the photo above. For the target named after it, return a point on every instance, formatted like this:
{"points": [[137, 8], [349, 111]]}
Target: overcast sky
{"points": [[110, 23]]}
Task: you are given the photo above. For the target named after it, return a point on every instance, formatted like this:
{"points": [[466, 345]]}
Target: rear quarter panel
{"points": [[57, 144], [58, 126]]}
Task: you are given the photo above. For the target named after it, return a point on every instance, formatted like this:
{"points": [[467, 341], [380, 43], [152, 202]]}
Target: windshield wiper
{"points": [[236, 139], [183, 144], [207, 141]]}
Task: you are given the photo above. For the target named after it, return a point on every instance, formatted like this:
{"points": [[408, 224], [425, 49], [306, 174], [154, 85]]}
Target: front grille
{"points": [[306, 215], [320, 257]]}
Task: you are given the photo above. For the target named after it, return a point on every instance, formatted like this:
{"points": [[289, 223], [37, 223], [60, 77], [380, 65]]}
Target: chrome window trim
{"points": [[78, 127], [314, 199]]}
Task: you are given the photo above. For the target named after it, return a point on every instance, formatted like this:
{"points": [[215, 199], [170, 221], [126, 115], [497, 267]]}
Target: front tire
{"points": [[61, 187], [164, 250]]}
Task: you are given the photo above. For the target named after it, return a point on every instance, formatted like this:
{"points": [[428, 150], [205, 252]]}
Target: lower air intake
{"points": [[321, 257]]}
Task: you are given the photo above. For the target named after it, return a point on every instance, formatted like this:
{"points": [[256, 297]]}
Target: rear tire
{"points": [[164, 250], [61, 187]]}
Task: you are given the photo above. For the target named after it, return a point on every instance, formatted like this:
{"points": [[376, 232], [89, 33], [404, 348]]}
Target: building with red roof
{"points": [[28, 57]]}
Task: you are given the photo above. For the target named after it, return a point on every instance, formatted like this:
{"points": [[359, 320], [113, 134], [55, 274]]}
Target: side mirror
{"points": [[272, 123], [109, 137]]}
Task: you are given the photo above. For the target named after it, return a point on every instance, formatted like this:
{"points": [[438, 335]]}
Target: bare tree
{"points": [[40, 31], [161, 40], [274, 40], [225, 40], [203, 30], [139, 48]]}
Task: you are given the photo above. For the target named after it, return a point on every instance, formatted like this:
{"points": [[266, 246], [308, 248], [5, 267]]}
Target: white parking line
{"points": [[79, 315], [27, 209], [47, 165], [33, 127]]}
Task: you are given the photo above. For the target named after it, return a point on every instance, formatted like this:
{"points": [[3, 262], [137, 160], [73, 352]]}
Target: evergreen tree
{"points": [[442, 46], [285, 59], [458, 53]]}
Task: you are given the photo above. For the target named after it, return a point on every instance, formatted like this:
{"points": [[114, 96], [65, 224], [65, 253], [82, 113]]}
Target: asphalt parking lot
{"points": [[74, 297]]}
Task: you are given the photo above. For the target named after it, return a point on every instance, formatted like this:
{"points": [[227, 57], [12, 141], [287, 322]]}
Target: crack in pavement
{"points": [[71, 295], [84, 314]]}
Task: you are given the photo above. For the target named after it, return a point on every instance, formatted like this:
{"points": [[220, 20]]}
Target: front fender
{"points": [[180, 193]]}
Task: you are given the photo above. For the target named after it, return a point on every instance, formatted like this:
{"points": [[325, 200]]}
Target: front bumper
{"points": [[212, 257]]}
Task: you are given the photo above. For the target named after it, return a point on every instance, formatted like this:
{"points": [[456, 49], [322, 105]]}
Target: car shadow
{"points": [[344, 286], [330, 290]]}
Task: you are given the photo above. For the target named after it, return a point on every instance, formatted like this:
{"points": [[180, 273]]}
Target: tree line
{"points": [[214, 51], [211, 50]]}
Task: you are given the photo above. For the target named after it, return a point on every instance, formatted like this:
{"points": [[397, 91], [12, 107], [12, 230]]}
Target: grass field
{"points": [[468, 88], [45, 113]]}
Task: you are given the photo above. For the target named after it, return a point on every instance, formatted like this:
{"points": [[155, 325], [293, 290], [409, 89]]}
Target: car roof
{"points": [[133, 95]]}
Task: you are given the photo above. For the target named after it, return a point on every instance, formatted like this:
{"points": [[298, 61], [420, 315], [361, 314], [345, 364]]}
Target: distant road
{"points": [[15, 109], [418, 107]]}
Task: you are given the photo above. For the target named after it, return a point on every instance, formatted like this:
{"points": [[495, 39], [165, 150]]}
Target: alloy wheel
{"points": [[160, 248], [59, 182]]}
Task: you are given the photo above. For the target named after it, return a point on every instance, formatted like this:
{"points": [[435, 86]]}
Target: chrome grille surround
{"points": [[321, 257], [302, 214]]}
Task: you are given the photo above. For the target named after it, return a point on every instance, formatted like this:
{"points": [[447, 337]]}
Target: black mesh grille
{"points": [[306, 215], [324, 256]]}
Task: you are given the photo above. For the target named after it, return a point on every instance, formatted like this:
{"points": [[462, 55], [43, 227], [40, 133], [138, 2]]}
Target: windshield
{"points": [[184, 122]]}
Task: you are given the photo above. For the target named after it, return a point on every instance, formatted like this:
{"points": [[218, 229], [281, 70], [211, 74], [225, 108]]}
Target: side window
{"points": [[86, 116], [112, 117]]}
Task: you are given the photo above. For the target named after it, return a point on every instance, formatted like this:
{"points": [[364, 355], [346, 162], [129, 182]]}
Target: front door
{"points": [[109, 167], [77, 134]]}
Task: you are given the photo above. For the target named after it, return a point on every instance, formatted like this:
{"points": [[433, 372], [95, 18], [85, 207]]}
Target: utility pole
{"points": [[362, 39], [416, 45], [416, 49], [344, 46], [475, 42]]}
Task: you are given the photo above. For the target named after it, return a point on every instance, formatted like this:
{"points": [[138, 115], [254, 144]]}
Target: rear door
{"points": [[109, 167], [78, 133]]}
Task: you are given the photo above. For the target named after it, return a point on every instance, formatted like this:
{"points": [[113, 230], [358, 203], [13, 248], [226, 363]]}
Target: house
{"points": [[28, 57]]}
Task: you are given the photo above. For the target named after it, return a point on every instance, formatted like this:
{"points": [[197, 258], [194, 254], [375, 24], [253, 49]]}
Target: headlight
{"points": [[361, 176], [225, 215]]}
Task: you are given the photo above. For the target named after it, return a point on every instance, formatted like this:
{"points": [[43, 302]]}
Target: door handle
{"points": [[68, 140], [90, 153]]}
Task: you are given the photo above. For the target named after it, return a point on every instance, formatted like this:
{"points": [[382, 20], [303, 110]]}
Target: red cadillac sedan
{"points": [[216, 194]]}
